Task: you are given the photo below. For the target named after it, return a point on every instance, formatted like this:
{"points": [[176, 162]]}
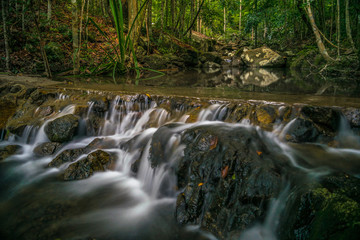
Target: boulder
{"points": [[227, 176], [95, 162], [327, 210], [262, 57], [46, 149], [62, 129], [301, 130], [70, 155]]}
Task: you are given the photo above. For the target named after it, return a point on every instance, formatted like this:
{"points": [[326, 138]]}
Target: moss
{"points": [[336, 217]]}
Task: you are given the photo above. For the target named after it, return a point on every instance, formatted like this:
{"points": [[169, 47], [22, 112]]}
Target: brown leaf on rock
{"points": [[224, 172]]}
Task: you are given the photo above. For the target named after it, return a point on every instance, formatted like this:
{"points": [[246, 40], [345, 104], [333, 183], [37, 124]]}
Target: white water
{"points": [[151, 188]]}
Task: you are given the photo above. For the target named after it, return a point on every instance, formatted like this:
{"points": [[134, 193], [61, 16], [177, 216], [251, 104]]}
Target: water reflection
{"points": [[279, 84], [261, 77]]}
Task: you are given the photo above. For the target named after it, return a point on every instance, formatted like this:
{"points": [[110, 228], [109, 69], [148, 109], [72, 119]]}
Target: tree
{"points": [[348, 28], [6, 37], [338, 32], [75, 37], [319, 42]]}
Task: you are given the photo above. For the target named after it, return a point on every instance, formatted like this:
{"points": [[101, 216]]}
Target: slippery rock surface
{"points": [[70, 155], [329, 209], [262, 57], [46, 149], [95, 162], [62, 129], [8, 151], [227, 176]]}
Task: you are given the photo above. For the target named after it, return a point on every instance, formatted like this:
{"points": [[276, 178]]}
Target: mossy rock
{"points": [[329, 210]]}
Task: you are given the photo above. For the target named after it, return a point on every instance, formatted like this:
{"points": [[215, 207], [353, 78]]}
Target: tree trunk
{"points": [[132, 10], [332, 19], [256, 28], [162, 13], [172, 12], [319, 42], [87, 19], [348, 28], [49, 11], [6, 39], [80, 32], [149, 18], [338, 27], [23, 17], [240, 18], [75, 36], [224, 22], [41, 41]]}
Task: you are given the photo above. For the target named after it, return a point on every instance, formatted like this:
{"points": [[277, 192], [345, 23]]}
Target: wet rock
{"points": [[16, 88], [328, 210], [262, 57], [100, 106], [71, 155], [240, 112], [95, 162], [38, 97], [44, 111], [353, 116], [160, 149], [227, 174], [265, 115], [301, 130], [68, 155], [46, 149], [8, 151], [211, 67], [62, 129], [326, 118]]}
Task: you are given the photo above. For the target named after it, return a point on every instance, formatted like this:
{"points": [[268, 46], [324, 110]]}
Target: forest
{"points": [[115, 37]]}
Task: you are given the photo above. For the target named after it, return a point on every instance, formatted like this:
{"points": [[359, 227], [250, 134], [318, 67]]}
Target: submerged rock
{"points": [[96, 161], [262, 57], [62, 129]]}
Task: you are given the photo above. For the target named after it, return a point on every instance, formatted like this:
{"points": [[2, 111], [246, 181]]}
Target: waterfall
{"points": [[135, 198]]}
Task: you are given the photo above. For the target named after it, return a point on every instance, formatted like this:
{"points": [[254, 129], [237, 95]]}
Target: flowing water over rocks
{"points": [[82, 165]]}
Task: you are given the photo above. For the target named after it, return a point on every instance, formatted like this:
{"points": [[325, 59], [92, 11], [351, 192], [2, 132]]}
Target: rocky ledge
{"points": [[229, 174]]}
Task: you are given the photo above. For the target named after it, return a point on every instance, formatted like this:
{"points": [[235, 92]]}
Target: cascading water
{"points": [[121, 203]]}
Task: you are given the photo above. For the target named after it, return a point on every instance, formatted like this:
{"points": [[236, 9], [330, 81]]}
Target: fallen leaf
{"points": [[258, 153], [213, 143], [148, 95], [224, 172], [233, 177], [200, 184]]}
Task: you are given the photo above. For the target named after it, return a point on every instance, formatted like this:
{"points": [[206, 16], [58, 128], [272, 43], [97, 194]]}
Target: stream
{"points": [[137, 194]]}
